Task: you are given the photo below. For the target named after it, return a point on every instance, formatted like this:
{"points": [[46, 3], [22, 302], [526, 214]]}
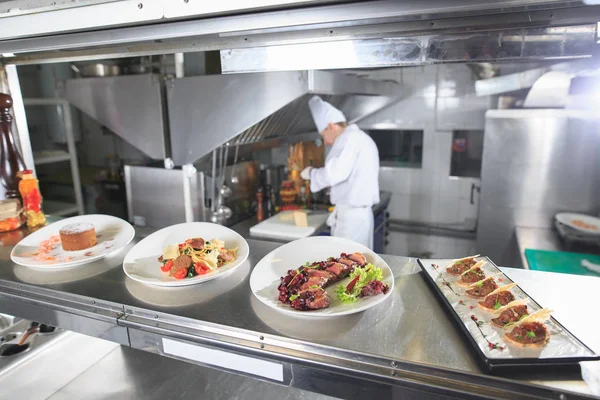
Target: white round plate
{"points": [[266, 275], [113, 234], [568, 218], [141, 263]]}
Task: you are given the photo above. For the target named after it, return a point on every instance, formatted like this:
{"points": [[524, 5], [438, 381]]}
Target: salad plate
{"points": [[266, 276], [142, 262]]}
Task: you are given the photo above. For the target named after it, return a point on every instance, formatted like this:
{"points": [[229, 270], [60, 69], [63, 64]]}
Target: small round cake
{"points": [[78, 236]]}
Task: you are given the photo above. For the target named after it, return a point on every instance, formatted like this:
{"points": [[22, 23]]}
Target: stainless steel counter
{"points": [[148, 376], [406, 343], [77, 366], [243, 227], [545, 239]]}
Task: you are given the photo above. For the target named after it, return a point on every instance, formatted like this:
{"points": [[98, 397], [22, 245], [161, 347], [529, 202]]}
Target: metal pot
{"points": [[98, 69], [135, 69]]}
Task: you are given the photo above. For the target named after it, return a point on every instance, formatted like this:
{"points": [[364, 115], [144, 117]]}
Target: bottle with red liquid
{"points": [[32, 199], [11, 161]]}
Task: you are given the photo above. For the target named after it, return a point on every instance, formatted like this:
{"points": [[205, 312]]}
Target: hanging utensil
{"points": [[234, 179], [222, 212], [224, 190]]}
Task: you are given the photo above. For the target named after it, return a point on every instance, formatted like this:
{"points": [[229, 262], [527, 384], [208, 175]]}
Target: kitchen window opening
{"points": [[467, 151], [398, 148]]}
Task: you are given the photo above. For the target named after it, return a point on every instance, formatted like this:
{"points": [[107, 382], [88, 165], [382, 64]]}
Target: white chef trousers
{"points": [[354, 223]]}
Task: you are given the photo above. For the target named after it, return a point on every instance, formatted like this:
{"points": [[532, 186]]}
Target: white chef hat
{"points": [[324, 113]]}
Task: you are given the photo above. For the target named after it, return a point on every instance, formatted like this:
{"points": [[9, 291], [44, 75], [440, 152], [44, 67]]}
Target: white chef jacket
{"points": [[352, 171]]}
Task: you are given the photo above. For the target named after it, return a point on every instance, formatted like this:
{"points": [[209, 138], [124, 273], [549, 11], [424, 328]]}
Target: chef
{"points": [[351, 170]]}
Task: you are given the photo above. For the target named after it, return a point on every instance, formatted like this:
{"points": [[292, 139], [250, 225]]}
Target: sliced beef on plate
{"points": [[358, 257], [311, 299], [315, 280], [321, 273], [347, 261], [338, 269], [183, 261]]}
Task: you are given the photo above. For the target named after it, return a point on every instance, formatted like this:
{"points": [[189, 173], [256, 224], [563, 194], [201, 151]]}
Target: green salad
{"points": [[359, 278]]}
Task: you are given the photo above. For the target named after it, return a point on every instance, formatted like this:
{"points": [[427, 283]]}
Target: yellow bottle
{"points": [[32, 199]]}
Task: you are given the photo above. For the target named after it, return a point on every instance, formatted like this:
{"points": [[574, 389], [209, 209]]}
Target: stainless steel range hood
{"points": [[208, 111], [129, 105]]}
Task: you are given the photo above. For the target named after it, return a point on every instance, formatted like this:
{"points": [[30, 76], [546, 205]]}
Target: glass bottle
{"points": [[32, 199], [260, 212], [307, 194], [269, 206], [11, 161]]}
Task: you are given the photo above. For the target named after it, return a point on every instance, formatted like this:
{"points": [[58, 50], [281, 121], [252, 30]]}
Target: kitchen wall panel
{"points": [[536, 163], [413, 207], [458, 107], [442, 99], [418, 245]]}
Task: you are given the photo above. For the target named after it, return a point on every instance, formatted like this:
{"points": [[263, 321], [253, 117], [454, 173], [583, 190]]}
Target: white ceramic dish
{"points": [[568, 218], [113, 234], [266, 275], [141, 263]]}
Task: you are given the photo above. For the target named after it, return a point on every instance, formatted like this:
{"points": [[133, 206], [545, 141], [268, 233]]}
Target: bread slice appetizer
{"points": [[479, 290], [459, 266], [472, 275], [510, 313], [530, 331], [498, 298]]}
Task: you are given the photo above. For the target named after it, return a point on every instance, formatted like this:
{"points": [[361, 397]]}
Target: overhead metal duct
{"points": [[526, 79], [550, 91], [208, 111], [130, 106]]}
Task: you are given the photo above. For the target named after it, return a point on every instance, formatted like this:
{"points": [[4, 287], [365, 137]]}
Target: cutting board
{"points": [[560, 261], [282, 226]]}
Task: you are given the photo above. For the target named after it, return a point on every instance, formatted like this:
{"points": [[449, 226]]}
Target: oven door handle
{"points": [[474, 188]]}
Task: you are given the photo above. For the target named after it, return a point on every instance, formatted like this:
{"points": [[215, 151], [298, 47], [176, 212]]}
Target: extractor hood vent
{"points": [[295, 118], [208, 111], [128, 105]]}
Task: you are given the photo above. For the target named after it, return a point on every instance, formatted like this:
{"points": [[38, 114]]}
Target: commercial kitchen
{"points": [[150, 118]]}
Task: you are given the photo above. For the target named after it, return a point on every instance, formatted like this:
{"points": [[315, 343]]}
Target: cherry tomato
{"points": [[201, 268], [180, 273], [166, 267]]}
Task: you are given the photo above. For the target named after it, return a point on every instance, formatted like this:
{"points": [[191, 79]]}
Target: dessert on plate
{"points": [[79, 236]]}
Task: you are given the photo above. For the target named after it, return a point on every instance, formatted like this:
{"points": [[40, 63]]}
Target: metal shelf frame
{"points": [[63, 209]]}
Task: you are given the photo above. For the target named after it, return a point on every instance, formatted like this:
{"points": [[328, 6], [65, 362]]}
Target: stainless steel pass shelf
{"points": [[406, 344]]}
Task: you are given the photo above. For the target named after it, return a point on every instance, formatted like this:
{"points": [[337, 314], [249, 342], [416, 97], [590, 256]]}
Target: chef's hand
{"points": [[305, 174]]}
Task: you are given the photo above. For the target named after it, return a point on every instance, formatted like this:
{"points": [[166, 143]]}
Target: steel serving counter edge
{"points": [[356, 358]]}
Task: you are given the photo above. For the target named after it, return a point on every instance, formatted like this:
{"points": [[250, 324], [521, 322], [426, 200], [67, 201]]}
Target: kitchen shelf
{"points": [[54, 156], [41, 159], [60, 208]]}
